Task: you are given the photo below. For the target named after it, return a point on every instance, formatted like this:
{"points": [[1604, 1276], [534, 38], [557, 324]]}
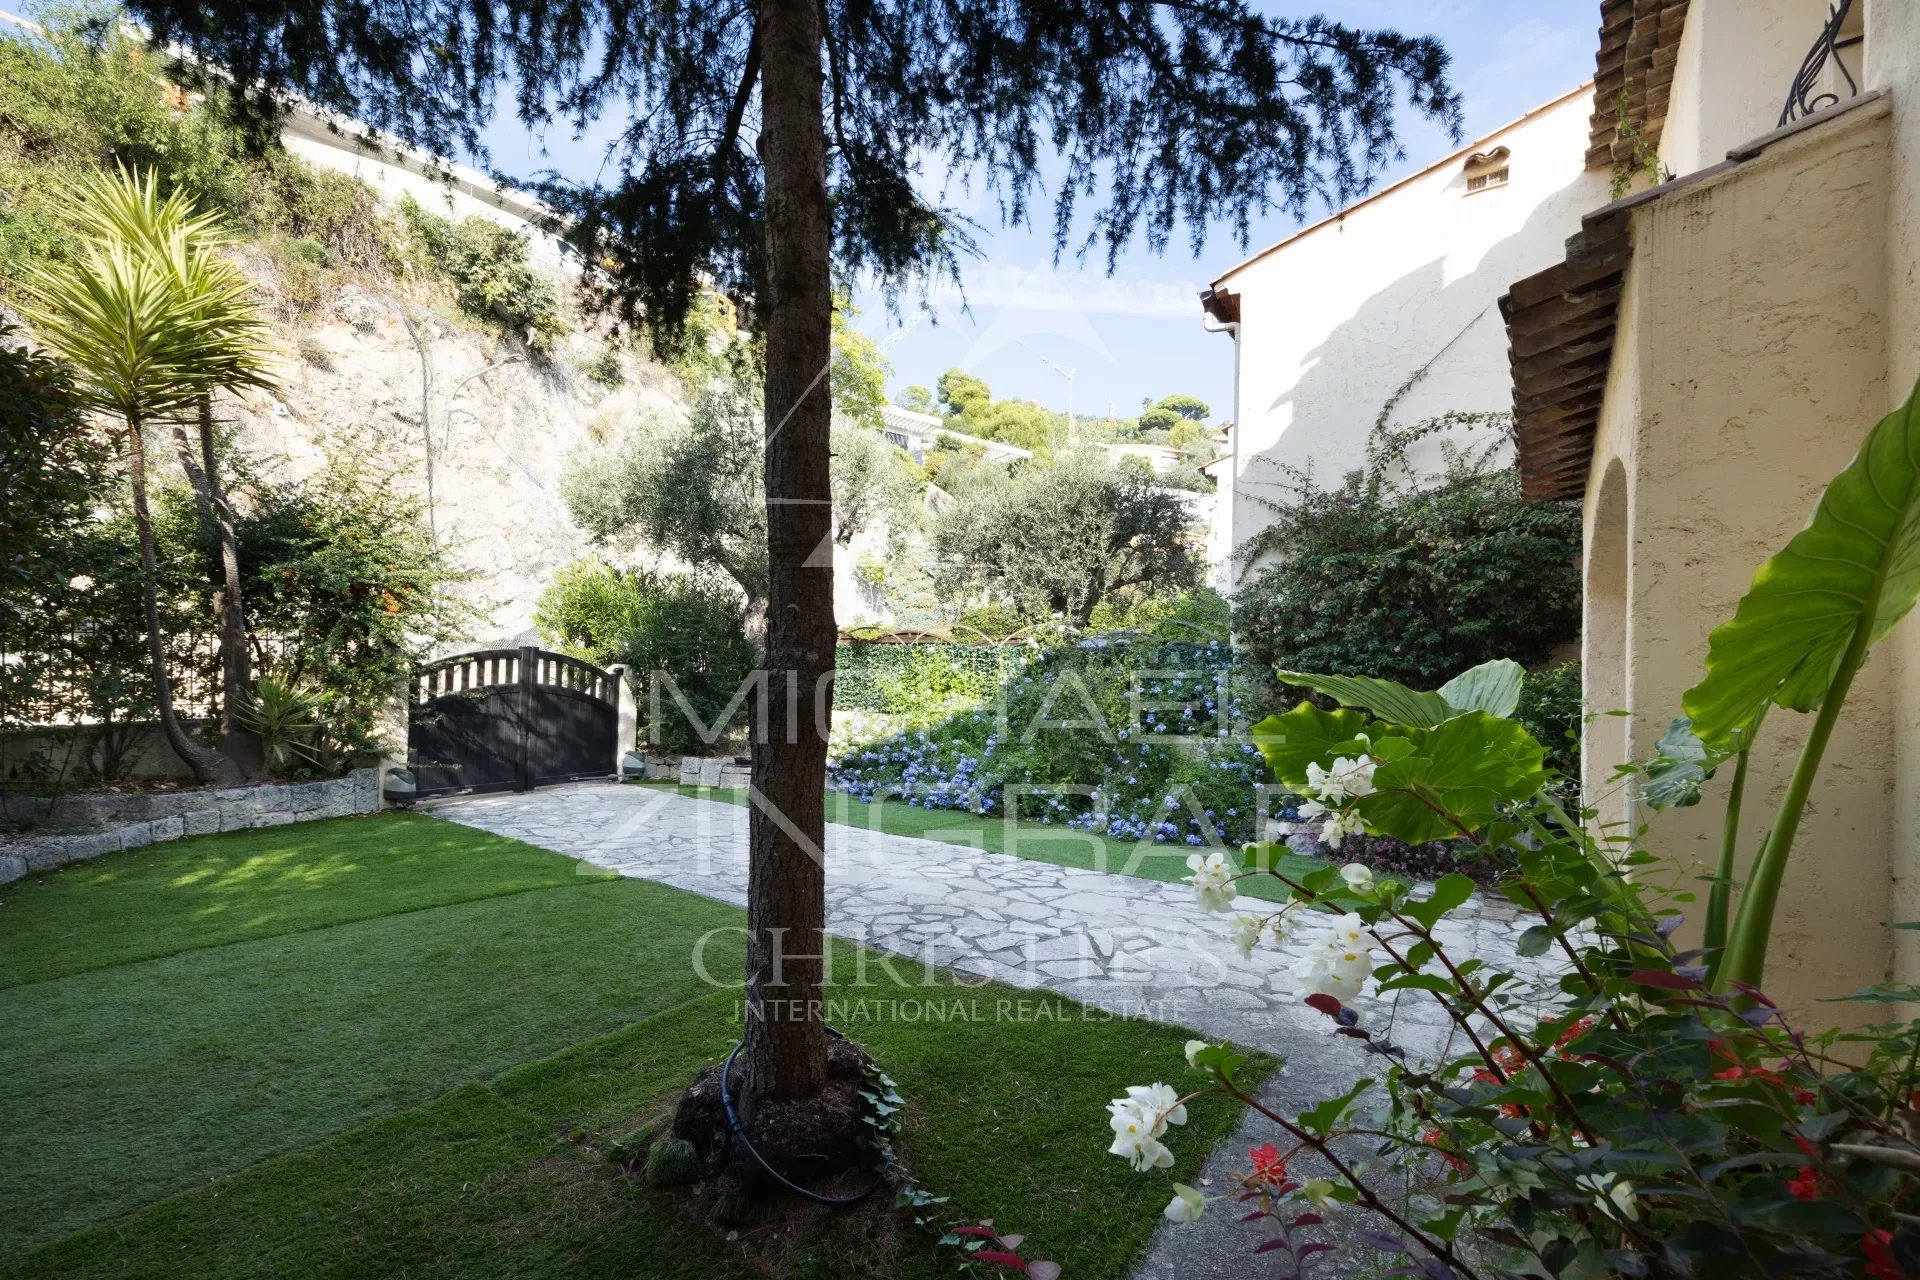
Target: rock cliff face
{"points": [[503, 423]]}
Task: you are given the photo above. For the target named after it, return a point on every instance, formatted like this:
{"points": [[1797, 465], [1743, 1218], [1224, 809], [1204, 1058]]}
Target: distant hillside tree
{"points": [[1065, 535]]}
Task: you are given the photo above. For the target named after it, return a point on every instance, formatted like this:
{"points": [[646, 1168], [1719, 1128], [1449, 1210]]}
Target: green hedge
{"points": [[918, 679]]}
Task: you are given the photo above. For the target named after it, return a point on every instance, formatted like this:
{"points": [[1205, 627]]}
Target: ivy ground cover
{"points": [[302, 1083]]}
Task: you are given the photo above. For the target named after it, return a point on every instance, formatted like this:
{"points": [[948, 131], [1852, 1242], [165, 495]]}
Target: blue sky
{"points": [[1137, 333]]}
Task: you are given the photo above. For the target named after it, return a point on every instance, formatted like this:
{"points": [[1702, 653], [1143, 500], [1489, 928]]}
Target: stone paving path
{"points": [[1133, 946]]}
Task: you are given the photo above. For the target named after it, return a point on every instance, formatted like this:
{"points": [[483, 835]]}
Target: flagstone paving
{"points": [[1132, 946]]}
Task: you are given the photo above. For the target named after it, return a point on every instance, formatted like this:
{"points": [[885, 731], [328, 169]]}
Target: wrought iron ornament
{"points": [[1806, 96]]}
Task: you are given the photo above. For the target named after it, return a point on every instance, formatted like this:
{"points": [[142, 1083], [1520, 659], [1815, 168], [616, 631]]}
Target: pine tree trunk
{"points": [[786, 1056], [208, 765], [236, 658]]}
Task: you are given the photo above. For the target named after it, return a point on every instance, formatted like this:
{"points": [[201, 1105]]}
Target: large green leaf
{"points": [[1857, 561], [1468, 767], [1492, 687], [1385, 698], [1680, 765], [1303, 736]]}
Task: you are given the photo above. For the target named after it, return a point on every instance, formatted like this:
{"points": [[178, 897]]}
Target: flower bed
{"points": [[1129, 738]]}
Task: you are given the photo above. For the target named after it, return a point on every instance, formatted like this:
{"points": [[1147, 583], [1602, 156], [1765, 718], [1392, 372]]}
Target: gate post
{"points": [[529, 661], [626, 726]]}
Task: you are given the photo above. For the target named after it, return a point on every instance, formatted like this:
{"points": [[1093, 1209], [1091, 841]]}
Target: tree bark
{"points": [[208, 765], [786, 1057], [236, 657]]}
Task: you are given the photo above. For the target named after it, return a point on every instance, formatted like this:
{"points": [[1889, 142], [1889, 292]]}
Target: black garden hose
{"points": [[735, 1131]]}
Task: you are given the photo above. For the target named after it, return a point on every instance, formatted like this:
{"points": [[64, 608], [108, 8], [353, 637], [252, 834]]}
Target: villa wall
{"points": [[1893, 60], [1720, 102], [1395, 302], [1750, 362]]}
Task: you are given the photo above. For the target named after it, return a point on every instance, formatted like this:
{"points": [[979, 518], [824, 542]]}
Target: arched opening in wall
{"points": [[1607, 739]]}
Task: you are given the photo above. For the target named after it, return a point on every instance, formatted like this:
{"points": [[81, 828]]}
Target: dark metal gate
{"points": [[511, 720]]}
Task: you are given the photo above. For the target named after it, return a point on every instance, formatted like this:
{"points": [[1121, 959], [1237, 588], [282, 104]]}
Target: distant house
{"points": [[1389, 311], [917, 433]]}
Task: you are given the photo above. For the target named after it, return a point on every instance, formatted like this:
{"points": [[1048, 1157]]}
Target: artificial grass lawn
{"points": [[1083, 850], [213, 890], [175, 1074]]}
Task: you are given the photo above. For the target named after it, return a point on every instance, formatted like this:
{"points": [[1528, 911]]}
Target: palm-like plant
{"points": [[154, 322]]}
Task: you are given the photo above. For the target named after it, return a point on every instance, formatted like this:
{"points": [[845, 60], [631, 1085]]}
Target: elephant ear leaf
{"points": [[1492, 687], [1307, 735], [1854, 571], [1680, 765], [1385, 698]]}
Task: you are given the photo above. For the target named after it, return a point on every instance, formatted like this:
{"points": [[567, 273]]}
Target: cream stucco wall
{"points": [[1734, 95], [1396, 298], [1750, 363], [1893, 62]]}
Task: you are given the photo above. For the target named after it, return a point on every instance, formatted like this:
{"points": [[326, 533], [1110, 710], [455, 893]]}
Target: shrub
{"points": [[346, 591], [488, 268], [675, 632], [1630, 1112], [50, 470], [90, 91], [923, 682], [1414, 585], [606, 369], [1194, 617], [1552, 711], [1098, 735]]}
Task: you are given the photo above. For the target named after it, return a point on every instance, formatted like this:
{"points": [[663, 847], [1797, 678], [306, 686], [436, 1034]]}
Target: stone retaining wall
{"points": [[135, 819]]}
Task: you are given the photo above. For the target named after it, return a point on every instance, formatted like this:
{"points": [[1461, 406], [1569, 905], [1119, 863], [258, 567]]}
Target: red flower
{"points": [[1805, 1185], [1573, 1033], [1268, 1164], [1433, 1138], [1878, 1246]]}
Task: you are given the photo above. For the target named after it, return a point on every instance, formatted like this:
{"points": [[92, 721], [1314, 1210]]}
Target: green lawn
{"points": [[1065, 848], [390, 1045], [158, 900]]}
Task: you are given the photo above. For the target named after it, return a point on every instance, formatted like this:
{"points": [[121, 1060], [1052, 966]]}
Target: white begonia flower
{"points": [[1142, 1152], [1163, 1100], [1212, 881], [1245, 932], [1341, 964], [1359, 877], [1139, 1119], [1346, 780], [1193, 1048], [1186, 1206], [80, 583], [1340, 824]]}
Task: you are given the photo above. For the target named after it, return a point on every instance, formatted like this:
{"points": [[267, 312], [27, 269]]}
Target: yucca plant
{"points": [[285, 720], [154, 322]]}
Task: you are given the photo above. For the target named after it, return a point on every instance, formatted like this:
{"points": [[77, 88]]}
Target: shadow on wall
{"points": [[1418, 348]]}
